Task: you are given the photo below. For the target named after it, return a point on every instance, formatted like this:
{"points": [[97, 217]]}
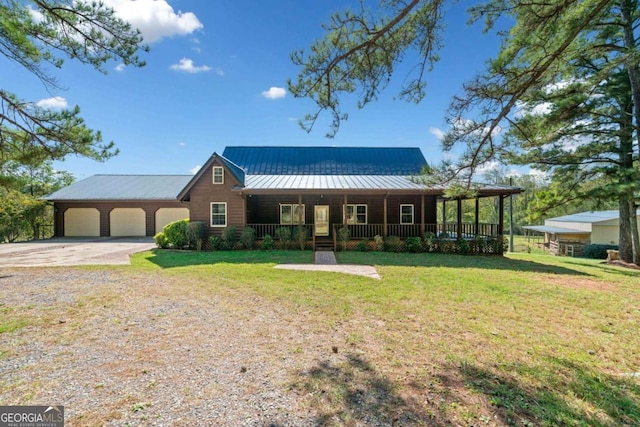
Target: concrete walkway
{"points": [[326, 261]]}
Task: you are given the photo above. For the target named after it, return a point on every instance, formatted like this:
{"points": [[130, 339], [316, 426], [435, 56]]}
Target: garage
{"points": [[166, 215], [81, 222], [127, 222]]}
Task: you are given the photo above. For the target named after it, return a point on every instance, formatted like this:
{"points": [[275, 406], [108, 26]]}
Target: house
{"points": [[372, 191], [567, 235]]}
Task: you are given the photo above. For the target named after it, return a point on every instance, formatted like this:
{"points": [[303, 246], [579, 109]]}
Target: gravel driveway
{"points": [[121, 348]]}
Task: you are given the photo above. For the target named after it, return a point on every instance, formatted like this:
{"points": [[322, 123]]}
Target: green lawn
{"points": [[524, 340], [529, 339]]}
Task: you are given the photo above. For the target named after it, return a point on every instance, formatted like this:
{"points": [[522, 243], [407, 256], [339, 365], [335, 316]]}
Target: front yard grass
{"points": [[523, 340], [531, 339]]}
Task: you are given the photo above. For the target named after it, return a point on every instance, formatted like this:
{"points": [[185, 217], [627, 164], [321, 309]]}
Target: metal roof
{"points": [[554, 230], [355, 182], [327, 160], [330, 182], [589, 217], [123, 187]]}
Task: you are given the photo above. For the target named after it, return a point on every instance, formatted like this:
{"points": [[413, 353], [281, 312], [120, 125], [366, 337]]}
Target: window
{"points": [[218, 214], [218, 175], [406, 214], [356, 214], [290, 214]]}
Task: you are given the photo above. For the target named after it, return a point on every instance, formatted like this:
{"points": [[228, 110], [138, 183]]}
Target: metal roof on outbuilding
{"points": [[123, 187], [554, 230], [588, 217], [327, 160]]}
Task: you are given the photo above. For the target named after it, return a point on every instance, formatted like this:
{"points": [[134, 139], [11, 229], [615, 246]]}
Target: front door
{"points": [[321, 220]]}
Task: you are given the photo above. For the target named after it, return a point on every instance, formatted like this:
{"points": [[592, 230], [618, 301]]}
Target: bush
{"points": [[229, 237], [597, 251], [343, 237], [363, 245], [197, 233], [267, 242], [462, 246], [283, 234], [301, 235], [429, 241], [379, 242], [248, 237], [177, 233], [414, 244], [161, 240], [216, 243], [392, 244]]}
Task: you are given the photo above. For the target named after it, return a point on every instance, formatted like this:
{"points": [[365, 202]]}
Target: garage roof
{"points": [[123, 187]]}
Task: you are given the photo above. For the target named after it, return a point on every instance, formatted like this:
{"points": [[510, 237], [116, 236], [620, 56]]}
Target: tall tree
{"points": [[545, 38], [38, 34]]}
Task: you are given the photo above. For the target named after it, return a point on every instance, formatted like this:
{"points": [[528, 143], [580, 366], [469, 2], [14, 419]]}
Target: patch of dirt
{"points": [[624, 264], [577, 282]]}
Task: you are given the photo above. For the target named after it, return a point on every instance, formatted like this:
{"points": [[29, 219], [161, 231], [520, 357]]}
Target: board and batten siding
{"points": [[265, 209], [204, 192]]}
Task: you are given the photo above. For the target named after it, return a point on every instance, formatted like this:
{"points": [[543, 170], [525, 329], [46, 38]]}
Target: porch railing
{"points": [[270, 229], [363, 231]]}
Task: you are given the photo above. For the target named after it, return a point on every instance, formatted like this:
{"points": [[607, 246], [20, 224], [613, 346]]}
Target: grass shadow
{"points": [[454, 261], [174, 258], [352, 392], [572, 395]]}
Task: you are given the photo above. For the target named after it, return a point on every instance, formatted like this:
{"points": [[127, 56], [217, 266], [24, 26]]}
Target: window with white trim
{"points": [[406, 214], [290, 213], [356, 214], [218, 175], [218, 214]]}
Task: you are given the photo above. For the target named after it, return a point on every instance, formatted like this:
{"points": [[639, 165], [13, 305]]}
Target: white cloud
{"points": [[439, 133], [187, 66], [487, 168], [274, 93], [55, 103], [182, 144], [156, 19], [539, 175], [219, 71], [120, 67], [194, 170]]}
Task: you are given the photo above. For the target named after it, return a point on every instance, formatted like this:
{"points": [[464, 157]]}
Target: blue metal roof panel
{"points": [[123, 187], [327, 160]]}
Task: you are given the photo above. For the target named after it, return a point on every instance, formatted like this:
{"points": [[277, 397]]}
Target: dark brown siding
{"points": [[204, 192], [265, 209], [150, 208]]}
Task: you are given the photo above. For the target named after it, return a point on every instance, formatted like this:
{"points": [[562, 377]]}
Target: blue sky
{"points": [[216, 76]]}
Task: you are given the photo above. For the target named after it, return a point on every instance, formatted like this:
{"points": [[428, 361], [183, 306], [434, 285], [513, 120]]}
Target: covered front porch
{"points": [[386, 214]]}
